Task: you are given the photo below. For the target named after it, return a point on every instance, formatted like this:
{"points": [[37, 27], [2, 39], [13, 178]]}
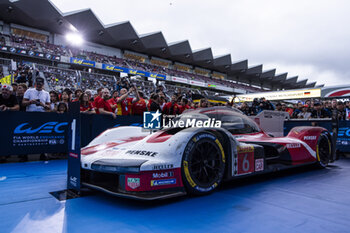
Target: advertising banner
{"points": [[138, 72], [30, 133], [281, 95], [37, 132], [133, 71], [82, 62], [157, 76], [179, 80], [197, 83], [114, 68], [343, 141], [30, 53]]}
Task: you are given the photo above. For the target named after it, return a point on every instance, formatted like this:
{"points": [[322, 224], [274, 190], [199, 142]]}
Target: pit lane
{"points": [[301, 200]]}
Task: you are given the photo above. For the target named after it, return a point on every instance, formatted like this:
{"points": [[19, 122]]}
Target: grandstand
{"points": [[111, 52]]}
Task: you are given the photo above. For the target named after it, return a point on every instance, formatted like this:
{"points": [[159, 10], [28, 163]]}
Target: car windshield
{"points": [[188, 120], [231, 119]]}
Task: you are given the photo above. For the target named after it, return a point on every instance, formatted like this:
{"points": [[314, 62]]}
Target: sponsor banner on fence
{"points": [[281, 95], [115, 68], [79, 61], [37, 132], [29, 53], [138, 72], [179, 80], [197, 83], [157, 76], [30, 133]]}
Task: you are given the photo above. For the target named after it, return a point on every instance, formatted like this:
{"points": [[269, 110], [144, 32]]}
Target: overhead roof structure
{"points": [[44, 15]]}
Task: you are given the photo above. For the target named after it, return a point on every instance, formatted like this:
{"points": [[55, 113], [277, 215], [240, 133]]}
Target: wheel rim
{"points": [[205, 163], [323, 150]]}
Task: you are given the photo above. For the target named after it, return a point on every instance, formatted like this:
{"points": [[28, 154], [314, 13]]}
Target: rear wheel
{"points": [[323, 150], [203, 164]]}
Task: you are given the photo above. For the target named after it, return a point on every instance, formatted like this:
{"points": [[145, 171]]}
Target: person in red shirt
{"points": [[97, 98], [125, 103], [140, 106], [113, 101], [184, 105], [85, 104], [103, 105], [171, 108]]}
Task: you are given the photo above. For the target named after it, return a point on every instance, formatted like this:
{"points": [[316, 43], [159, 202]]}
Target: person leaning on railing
{"points": [[318, 111], [103, 105], [85, 104], [341, 111], [8, 101], [22, 88], [37, 99]]}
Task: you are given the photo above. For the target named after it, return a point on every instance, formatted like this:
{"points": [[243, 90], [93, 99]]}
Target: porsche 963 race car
{"points": [[136, 163]]}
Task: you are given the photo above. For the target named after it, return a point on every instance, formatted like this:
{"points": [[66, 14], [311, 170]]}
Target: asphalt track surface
{"points": [[302, 200]]}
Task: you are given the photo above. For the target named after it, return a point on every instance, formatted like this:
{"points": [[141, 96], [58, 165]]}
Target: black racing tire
{"points": [[323, 150], [203, 164]]}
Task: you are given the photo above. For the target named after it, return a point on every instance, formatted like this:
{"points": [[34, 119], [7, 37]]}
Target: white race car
{"points": [[133, 162]]}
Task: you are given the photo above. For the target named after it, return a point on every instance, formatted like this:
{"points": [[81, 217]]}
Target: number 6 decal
{"points": [[245, 160], [245, 163]]}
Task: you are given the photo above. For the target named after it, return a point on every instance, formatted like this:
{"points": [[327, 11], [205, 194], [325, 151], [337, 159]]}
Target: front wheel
{"points": [[203, 164], [323, 150]]}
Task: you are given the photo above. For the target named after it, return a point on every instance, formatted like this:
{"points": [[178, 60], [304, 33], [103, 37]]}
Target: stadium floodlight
{"points": [[74, 38]]}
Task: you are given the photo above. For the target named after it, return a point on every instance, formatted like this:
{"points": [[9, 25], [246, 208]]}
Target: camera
{"points": [[37, 102]]}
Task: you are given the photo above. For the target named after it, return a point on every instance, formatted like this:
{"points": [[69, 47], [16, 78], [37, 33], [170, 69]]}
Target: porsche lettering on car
{"points": [[136, 163]]}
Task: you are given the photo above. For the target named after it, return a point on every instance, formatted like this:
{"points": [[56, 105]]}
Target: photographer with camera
{"points": [[37, 99]]}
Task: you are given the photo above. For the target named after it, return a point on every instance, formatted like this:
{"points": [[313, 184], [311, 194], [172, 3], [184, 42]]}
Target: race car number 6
{"points": [[245, 163]]}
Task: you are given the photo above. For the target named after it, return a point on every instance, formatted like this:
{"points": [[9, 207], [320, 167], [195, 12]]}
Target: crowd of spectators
{"points": [[24, 74], [126, 100], [301, 110], [46, 47]]}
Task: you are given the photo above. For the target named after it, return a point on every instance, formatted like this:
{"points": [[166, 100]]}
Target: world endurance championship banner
{"points": [[33, 133]]}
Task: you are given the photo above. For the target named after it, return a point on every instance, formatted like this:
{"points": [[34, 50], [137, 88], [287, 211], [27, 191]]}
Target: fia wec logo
{"points": [[48, 127]]}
